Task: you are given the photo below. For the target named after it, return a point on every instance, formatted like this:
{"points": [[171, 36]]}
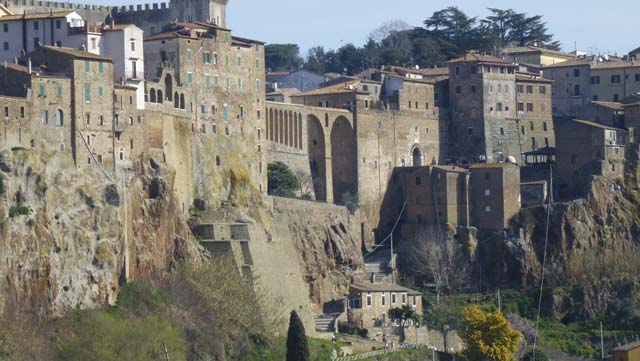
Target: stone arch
{"points": [[159, 98], [168, 86], [300, 146], [270, 125], [152, 95], [59, 118], [343, 160], [280, 134], [290, 135], [317, 157], [295, 130], [416, 156]]}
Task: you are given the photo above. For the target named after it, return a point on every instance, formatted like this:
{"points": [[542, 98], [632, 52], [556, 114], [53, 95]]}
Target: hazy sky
{"points": [[602, 26]]}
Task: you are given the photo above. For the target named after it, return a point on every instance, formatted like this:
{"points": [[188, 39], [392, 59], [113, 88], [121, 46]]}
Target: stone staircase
{"points": [[228, 238], [377, 263], [326, 322]]}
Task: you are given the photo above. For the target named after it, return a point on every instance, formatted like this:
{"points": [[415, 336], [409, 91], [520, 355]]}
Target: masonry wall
{"points": [[534, 109], [565, 79], [608, 89], [495, 195]]}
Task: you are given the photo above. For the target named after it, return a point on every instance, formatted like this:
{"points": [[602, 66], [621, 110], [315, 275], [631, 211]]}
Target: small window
{"points": [[87, 66], [393, 298], [487, 192], [41, 90], [576, 73], [458, 89], [369, 300], [487, 208], [470, 131], [418, 181]]}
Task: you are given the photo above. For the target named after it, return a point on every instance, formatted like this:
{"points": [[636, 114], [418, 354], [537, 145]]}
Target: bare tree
{"points": [[306, 184], [388, 28], [435, 256]]}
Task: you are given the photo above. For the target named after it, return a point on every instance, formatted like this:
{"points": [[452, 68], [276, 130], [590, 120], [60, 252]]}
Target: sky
{"points": [[594, 26]]}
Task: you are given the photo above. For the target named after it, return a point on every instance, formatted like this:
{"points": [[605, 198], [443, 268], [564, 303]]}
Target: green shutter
{"points": [[216, 80], [207, 82], [100, 90], [101, 67], [189, 78], [87, 66], [59, 91], [41, 89], [87, 93], [226, 113]]}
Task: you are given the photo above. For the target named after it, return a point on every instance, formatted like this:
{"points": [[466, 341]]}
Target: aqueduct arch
{"points": [[343, 160], [317, 157]]}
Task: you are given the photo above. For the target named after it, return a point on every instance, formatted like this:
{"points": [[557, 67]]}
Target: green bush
{"points": [[282, 181], [19, 211], [540, 356]]}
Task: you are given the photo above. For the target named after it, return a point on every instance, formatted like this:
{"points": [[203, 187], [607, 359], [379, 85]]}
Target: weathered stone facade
{"points": [[495, 195]]}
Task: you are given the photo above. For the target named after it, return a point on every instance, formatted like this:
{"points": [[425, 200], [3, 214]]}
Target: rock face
{"points": [[581, 232], [66, 237]]}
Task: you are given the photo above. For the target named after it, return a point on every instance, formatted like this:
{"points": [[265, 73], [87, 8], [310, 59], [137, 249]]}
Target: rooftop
{"points": [[535, 49], [615, 65], [36, 16], [492, 165], [487, 59], [569, 63], [341, 88], [609, 105], [79, 54], [382, 287], [532, 78], [598, 125], [627, 347]]}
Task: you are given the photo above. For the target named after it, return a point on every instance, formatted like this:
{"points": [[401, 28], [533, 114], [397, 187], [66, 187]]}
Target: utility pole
{"points": [[499, 302], [601, 343]]}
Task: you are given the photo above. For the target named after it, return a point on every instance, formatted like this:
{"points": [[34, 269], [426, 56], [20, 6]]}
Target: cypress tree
{"points": [[297, 347]]}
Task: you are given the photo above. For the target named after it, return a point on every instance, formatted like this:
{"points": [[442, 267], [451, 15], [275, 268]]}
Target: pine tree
{"points": [[297, 347]]}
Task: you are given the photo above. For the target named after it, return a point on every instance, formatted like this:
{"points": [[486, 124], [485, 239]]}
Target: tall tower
{"points": [[218, 12]]}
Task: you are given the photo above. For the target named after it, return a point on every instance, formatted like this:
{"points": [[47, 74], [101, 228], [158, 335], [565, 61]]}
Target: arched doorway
{"points": [[343, 161], [417, 157], [317, 157]]}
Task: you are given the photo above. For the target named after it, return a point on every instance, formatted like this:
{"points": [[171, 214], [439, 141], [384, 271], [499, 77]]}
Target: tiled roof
{"points": [[35, 16], [627, 347], [382, 287], [341, 88], [610, 105], [569, 63], [492, 165], [170, 35], [615, 65], [481, 58], [532, 78], [534, 49], [450, 168], [423, 71], [76, 53], [404, 78], [597, 125], [117, 27]]}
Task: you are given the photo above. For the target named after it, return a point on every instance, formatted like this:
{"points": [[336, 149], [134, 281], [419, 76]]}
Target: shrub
{"points": [[297, 346], [19, 211], [282, 181], [540, 356]]}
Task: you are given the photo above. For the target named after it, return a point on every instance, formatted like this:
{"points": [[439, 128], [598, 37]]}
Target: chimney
{"points": [[29, 64], [113, 23]]}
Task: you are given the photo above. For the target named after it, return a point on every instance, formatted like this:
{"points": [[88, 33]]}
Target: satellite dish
{"points": [[511, 159]]}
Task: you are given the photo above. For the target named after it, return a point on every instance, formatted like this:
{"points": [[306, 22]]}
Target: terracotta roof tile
{"points": [[76, 53], [481, 59], [34, 16]]}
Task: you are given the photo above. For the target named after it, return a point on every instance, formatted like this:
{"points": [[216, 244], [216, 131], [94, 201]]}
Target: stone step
{"points": [[325, 322]]}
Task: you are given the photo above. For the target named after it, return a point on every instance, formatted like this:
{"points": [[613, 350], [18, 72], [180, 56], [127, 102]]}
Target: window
{"points": [[100, 120], [36, 42], [226, 59], [225, 112], [215, 58], [576, 90], [576, 73], [473, 88], [418, 181], [637, 76], [544, 126], [58, 24], [383, 300], [59, 91], [595, 80], [529, 107], [36, 25], [241, 112], [366, 104], [5, 45], [216, 80], [21, 112], [502, 131], [45, 117], [153, 30], [521, 107], [615, 79], [93, 43], [5, 28], [499, 107], [99, 158], [6, 111], [521, 89], [228, 83], [206, 57], [239, 60], [458, 89], [369, 303], [87, 66], [41, 90], [100, 91], [207, 81], [546, 142], [529, 89], [487, 192], [189, 55], [239, 83], [87, 118], [415, 300], [87, 93], [616, 97], [101, 67], [257, 63], [59, 118], [404, 298], [595, 98], [457, 73], [130, 120], [393, 298], [470, 131], [487, 208], [189, 78]]}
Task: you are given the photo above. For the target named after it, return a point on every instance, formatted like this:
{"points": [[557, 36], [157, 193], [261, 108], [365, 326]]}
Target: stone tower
{"points": [[209, 11]]}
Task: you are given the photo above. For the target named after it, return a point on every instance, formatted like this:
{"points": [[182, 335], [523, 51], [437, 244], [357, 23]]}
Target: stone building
{"points": [[535, 56], [586, 149], [612, 81], [149, 17], [608, 113], [571, 87], [534, 113], [495, 195], [484, 124], [303, 80], [370, 302], [435, 196]]}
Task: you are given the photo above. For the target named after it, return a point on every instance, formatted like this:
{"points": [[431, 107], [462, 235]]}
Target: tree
{"points": [[530, 31], [316, 60], [388, 28], [282, 57], [306, 184], [488, 335], [297, 347], [454, 27], [404, 316], [435, 256], [281, 180]]}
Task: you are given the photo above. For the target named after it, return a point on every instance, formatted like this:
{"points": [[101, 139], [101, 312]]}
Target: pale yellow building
{"points": [[535, 56], [614, 80], [629, 352]]}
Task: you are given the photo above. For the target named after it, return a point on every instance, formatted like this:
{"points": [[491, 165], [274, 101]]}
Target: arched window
{"points": [[121, 154], [168, 86], [160, 98], [182, 105], [45, 117], [218, 162], [152, 95], [176, 100], [59, 118]]}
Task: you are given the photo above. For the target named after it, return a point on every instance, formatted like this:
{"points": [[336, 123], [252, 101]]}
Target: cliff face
{"points": [[589, 242], [63, 232]]}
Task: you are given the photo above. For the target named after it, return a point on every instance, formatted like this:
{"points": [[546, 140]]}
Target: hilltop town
{"points": [[158, 126]]}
